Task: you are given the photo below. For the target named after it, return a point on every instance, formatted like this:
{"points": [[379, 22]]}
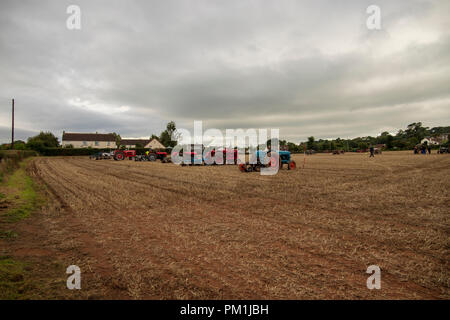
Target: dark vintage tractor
{"points": [[153, 155], [262, 159], [157, 155]]}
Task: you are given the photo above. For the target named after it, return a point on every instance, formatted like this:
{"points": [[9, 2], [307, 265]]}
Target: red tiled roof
{"points": [[129, 142], [67, 136]]}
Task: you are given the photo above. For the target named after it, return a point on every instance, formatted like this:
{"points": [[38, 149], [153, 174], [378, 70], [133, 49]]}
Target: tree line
{"points": [[403, 140]]}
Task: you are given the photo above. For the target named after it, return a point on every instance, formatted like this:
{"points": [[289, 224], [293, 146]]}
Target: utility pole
{"points": [[12, 127]]}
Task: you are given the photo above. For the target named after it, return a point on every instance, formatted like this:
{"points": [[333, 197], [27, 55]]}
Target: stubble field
{"points": [[161, 231]]}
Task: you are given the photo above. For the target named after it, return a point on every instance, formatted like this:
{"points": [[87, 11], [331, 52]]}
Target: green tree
{"points": [[118, 139], [416, 130], [326, 145], [292, 147], [281, 143], [310, 145], [389, 142], [42, 140], [19, 145], [332, 145], [439, 130], [363, 145], [166, 136], [171, 128]]}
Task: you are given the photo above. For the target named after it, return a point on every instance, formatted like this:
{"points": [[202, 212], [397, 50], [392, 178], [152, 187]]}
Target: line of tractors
{"points": [[259, 159], [119, 155]]}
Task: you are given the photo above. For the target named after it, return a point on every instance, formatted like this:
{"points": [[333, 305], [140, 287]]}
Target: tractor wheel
{"points": [[119, 156], [274, 162], [152, 157], [292, 165], [243, 167]]}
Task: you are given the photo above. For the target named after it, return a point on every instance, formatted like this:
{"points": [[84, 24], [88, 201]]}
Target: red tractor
{"points": [[153, 155], [229, 156], [123, 154]]}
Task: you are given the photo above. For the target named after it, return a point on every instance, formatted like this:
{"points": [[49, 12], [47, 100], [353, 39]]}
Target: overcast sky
{"points": [[305, 67]]}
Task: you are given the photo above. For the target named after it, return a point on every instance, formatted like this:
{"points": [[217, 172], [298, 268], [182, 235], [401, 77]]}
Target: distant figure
{"points": [[416, 150], [372, 152], [429, 150], [424, 149]]}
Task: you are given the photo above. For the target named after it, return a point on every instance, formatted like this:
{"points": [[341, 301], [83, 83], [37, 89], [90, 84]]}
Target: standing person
{"points": [[416, 151], [429, 150], [372, 152]]}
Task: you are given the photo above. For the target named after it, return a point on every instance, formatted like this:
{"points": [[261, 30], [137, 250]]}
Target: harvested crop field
{"points": [[160, 231]]}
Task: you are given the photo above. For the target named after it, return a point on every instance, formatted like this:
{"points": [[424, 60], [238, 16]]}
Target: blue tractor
{"points": [[263, 159]]}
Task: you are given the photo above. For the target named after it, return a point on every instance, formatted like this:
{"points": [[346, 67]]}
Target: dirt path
{"points": [[152, 230]]}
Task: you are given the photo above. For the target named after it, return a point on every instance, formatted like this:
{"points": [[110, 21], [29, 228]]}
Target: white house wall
{"points": [[92, 144]]}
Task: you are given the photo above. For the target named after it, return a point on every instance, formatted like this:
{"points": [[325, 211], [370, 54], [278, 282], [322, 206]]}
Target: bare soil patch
{"points": [[161, 231]]}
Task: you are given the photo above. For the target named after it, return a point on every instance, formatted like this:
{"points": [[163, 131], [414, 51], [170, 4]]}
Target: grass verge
{"points": [[22, 194], [20, 199], [12, 279]]}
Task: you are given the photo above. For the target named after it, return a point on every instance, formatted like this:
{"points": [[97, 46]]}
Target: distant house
{"points": [[131, 143], [436, 140], [85, 140], [145, 143], [155, 144]]}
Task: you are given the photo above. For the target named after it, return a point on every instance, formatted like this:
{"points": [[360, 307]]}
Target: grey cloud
{"points": [[307, 67]]}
